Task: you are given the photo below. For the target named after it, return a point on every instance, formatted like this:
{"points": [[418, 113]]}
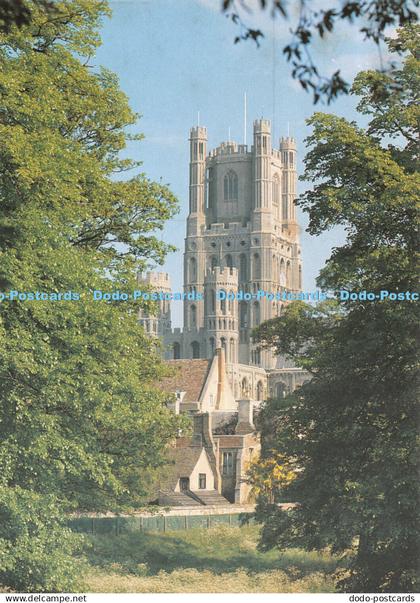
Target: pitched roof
{"points": [[188, 376], [184, 460]]}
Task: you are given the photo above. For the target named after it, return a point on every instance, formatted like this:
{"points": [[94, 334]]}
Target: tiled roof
{"points": [[229, 441], [189, 376], [184, 459]]}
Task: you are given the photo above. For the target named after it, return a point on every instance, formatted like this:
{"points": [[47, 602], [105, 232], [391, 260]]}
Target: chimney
{"points": [[202, 435], [245, 417]]}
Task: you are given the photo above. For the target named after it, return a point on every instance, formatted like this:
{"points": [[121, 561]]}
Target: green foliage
{"points": [[372, 17], [36, 551], [17, 12], [352, 429], [80, 417]]}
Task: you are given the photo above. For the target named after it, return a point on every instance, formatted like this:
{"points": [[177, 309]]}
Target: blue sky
{"points": [[177, 57]]}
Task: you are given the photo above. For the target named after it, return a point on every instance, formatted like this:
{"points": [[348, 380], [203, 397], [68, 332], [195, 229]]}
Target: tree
{"points": [[82, 425], [270, 474], [373, 17], [351, 430], [17, 12]]}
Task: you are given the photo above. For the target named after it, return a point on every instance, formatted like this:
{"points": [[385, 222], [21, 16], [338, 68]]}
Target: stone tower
{"points": [[242, 235], [158, 322]]}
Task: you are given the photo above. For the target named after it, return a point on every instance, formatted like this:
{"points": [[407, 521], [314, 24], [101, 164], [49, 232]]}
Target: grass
{"points": [[220, 559]]}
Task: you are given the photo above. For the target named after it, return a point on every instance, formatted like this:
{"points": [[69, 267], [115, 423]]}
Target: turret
{"points": [[198, 150], [262, 183], [157, 323], [288, 156], [221, 311]]}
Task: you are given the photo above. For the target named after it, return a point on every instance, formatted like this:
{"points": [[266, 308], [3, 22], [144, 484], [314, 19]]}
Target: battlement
{"points": [[262, 126], [220, 228], [198, 132], [222, 276], [287, 142], [228, 149], [155, 278]]}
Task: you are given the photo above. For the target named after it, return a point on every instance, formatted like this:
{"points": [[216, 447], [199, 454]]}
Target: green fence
{"points": [[154, 523]]}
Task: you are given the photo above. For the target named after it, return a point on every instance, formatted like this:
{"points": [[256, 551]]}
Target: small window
{"points": [[202, 481]]}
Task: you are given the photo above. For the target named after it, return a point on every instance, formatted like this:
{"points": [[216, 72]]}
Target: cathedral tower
{"points": [[242, 235]]}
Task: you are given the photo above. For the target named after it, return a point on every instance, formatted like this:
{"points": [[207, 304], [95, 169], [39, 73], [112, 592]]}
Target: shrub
{"points": [[37, 553]]}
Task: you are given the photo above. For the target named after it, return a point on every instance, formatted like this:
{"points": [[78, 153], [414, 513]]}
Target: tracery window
{"points": [[230, 186]]}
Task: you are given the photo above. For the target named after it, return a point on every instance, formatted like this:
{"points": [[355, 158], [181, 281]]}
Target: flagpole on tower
{"points": [[244, 118]]}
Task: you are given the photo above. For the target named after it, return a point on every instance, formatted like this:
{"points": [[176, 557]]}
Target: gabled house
{"points": [[209, 467], [200, 385]]}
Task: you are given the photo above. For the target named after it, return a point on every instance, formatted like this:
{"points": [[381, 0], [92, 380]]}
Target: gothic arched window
{"points": [[243, 273], [223, 301], [276, 189], [288, 275], [231, 306], [193, 270], [285, 208], [213, 301], [230, 186], [243, 310], [193, 317], [282, 276], [256, 314], [257, 267], [228, 261], [195, 349], [260, 391]]}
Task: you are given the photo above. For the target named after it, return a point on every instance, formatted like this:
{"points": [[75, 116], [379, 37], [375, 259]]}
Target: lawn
{"points": [[220, 559]]}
